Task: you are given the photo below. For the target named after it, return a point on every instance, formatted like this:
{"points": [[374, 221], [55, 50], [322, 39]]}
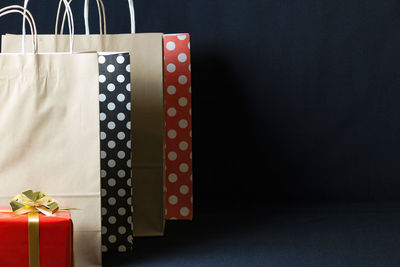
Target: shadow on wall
{"points": [[234, 165]]}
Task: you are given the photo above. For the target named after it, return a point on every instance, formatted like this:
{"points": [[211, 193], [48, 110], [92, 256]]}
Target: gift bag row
{"points": [[102, 123]]}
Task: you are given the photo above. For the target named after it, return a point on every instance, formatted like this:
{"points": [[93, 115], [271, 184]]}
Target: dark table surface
{"points": [[278, 235]]}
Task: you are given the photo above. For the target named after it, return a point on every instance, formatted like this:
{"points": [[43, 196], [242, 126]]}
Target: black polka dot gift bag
{"points": [[115, 145]]}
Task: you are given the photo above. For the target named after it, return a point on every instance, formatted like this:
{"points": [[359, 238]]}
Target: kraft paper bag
{"points": [[148, 119], [49, 132]]}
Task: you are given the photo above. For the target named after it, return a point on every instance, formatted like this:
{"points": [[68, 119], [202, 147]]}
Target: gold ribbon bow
{"points": [[33, 203]]}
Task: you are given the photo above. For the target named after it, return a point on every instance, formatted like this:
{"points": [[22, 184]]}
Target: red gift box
{"points": [[178, 127], [56, 240]]}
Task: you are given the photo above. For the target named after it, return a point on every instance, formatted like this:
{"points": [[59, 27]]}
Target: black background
{"points": [[293, 100]]}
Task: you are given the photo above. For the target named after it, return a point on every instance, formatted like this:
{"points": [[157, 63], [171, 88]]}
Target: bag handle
{"points": [[71, 24], [101, 6], [132, 14], [102, 17], [27, 16], [58, 15], [102, 14]]}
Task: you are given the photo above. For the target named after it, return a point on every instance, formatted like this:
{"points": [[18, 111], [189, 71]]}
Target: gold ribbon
{"points": [[34, 240], [33, 203], [30, 201]]}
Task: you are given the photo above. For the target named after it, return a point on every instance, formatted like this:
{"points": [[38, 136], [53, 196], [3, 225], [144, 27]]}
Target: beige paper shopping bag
{"points": [[49, 132], [146, 52]]}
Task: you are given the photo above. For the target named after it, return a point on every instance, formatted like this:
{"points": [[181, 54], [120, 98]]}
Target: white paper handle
{"points": [[27, 16], [57, 18], [101, 6], [102, 16], [71, 25], [132, 14], [67, 12]]}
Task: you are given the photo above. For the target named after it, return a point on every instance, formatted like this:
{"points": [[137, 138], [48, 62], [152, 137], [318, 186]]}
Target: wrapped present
{"points": [[31, 238], [178, 127]]}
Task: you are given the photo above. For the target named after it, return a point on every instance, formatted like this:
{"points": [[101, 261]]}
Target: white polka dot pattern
{"points": [[114, 134], [178, 122]]}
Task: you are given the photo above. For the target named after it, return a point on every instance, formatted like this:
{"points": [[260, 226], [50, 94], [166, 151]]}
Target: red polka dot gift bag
{"points": [[178, 127]]}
